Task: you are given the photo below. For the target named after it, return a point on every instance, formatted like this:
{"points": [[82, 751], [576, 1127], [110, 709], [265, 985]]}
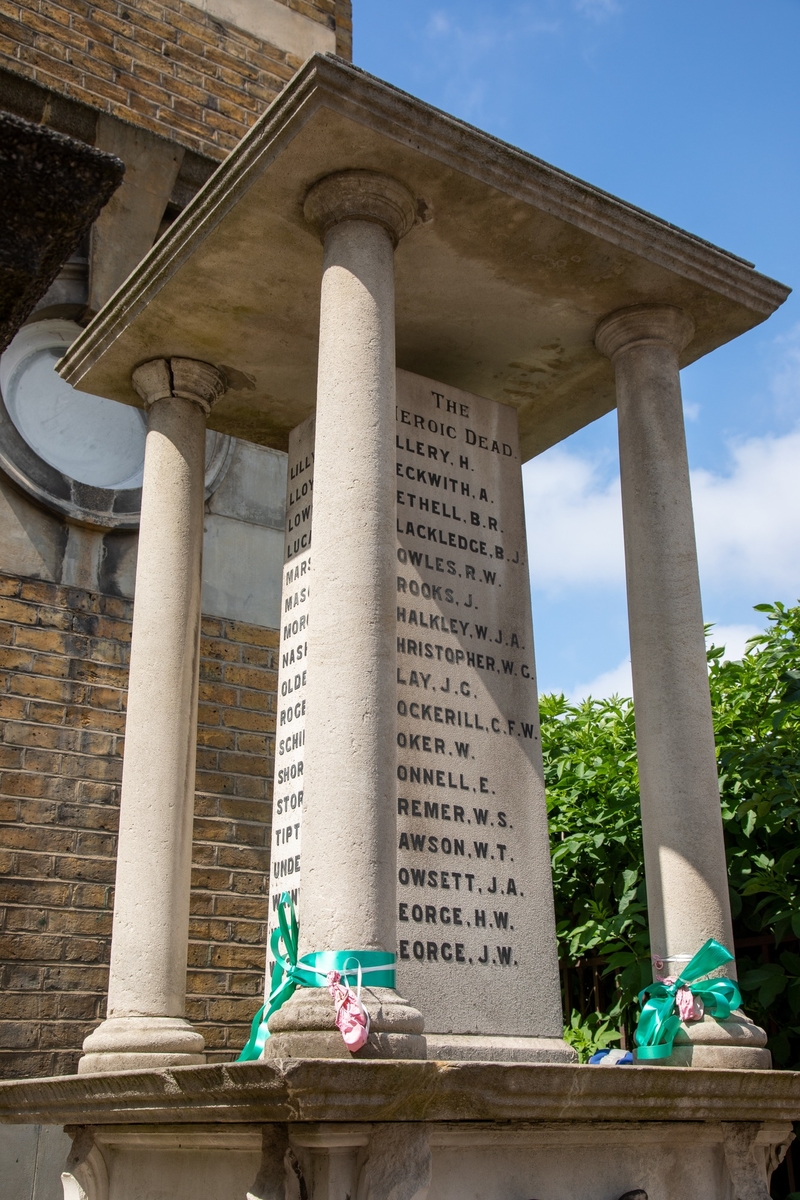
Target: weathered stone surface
{"points": [[270, 1182], [745, 1165], [684, 848], [410, 1160], [129, 225], [397, 1164], [469, 763], [51, 190], [335, 1090], [349, 824]]}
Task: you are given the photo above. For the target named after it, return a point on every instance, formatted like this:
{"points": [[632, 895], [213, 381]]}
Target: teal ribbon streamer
{"points": [[658, 1022], [311, 970]]}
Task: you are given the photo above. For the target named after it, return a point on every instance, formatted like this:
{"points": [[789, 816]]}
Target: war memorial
{"points": [[412, 309]]}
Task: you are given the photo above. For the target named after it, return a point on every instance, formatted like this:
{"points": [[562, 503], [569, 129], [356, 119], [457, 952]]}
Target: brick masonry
{"points": [[160, 64], [63, 675]]}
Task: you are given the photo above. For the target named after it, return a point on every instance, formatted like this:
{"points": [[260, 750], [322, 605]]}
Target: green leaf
{"points": [[763, 974], [791, 962]]}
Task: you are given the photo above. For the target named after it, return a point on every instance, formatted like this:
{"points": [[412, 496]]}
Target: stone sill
{"points": [[324, 1090]]}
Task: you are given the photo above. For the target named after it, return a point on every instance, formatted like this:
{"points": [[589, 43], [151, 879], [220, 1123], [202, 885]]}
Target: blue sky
{"points": [[688, 108]]}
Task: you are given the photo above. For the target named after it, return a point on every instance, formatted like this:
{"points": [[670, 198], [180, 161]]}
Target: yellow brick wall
{"points": [[63, 675], [160, 64]]}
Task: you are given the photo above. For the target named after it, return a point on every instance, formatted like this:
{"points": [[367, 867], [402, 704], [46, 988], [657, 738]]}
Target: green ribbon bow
{"points": [[311, 970], [658, 1023]]}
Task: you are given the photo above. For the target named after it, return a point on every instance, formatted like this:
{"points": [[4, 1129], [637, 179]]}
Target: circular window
{"points": [[80, 454], [89, 439]]}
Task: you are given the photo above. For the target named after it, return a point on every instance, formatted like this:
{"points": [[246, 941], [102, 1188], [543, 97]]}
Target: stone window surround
{"points": [[106, 508]]}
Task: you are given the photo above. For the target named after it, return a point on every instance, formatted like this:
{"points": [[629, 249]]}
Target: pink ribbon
{"points": [[690, 1007], [352, 1019]]}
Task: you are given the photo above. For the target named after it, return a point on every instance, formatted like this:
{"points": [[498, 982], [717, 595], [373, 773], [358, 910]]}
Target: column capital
{"points": [[646, 324], [188, 378], [360, 196]]}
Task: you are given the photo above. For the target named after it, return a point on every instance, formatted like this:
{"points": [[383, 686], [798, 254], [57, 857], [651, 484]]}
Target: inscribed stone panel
{"points": [[474, 894], [287, 801], [473, 884]]}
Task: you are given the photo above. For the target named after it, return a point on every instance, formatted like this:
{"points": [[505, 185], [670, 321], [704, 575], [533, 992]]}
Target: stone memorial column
{"points": [[349, 824], [145, 1026], [685, 867]]}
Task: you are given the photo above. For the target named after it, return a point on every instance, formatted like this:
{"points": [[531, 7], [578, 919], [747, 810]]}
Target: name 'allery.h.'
{"points": [[408, 310], [471, 819]]}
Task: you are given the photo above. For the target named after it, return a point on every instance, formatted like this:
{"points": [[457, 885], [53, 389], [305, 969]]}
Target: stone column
{"points": [[145, 1026], [684, 851], [349, 822]]}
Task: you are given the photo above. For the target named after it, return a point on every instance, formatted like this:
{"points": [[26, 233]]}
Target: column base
{"points": [[469, 1047], [735, 1044], [141, 1043], [305, 1028]]}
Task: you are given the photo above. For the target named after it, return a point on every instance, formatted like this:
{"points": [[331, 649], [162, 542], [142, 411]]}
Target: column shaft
{"points": [[348, 895], [349, 819], [684, 848], [687, 884], [145, 1026], [151, 909]]}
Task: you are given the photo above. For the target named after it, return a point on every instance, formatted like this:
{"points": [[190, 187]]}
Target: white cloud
{"points": [[616, 682], [747, 520], [734, 638], [598, 10], [785, 383], [574, 522], [438, 23], [462, 43]]}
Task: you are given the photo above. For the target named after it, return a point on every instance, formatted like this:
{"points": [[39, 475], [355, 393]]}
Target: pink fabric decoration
{"points": [[352, 1019], [691, 1008]]}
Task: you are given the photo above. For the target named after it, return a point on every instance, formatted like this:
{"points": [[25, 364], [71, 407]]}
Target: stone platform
{"points": [[328, 1129]]}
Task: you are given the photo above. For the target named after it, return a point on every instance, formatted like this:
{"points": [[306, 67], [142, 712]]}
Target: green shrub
{"points": [[595, 828]]}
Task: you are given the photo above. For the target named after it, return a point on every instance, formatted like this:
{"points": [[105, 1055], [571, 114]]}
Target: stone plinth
{"points": [[375, 1128], [566, 1161]]}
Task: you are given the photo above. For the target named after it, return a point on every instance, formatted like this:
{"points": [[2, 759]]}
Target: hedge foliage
{"points": [[595, 827]]}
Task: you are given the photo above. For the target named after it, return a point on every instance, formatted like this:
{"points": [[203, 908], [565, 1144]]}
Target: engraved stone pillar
{"points": [[145, 1026], [687, 882], [349, 823]]}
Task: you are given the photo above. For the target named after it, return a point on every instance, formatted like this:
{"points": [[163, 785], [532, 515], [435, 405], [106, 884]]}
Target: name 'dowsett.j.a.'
{"points": [[467, 725]]}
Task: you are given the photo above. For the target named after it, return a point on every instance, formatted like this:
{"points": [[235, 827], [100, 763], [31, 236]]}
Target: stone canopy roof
{"points": [[499, 286]]}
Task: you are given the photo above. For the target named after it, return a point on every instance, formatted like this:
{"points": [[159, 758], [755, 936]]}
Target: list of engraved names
{"points": [[467, 720]]}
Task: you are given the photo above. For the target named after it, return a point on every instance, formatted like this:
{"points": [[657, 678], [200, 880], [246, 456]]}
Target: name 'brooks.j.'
{"points": [[471, 822]]}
